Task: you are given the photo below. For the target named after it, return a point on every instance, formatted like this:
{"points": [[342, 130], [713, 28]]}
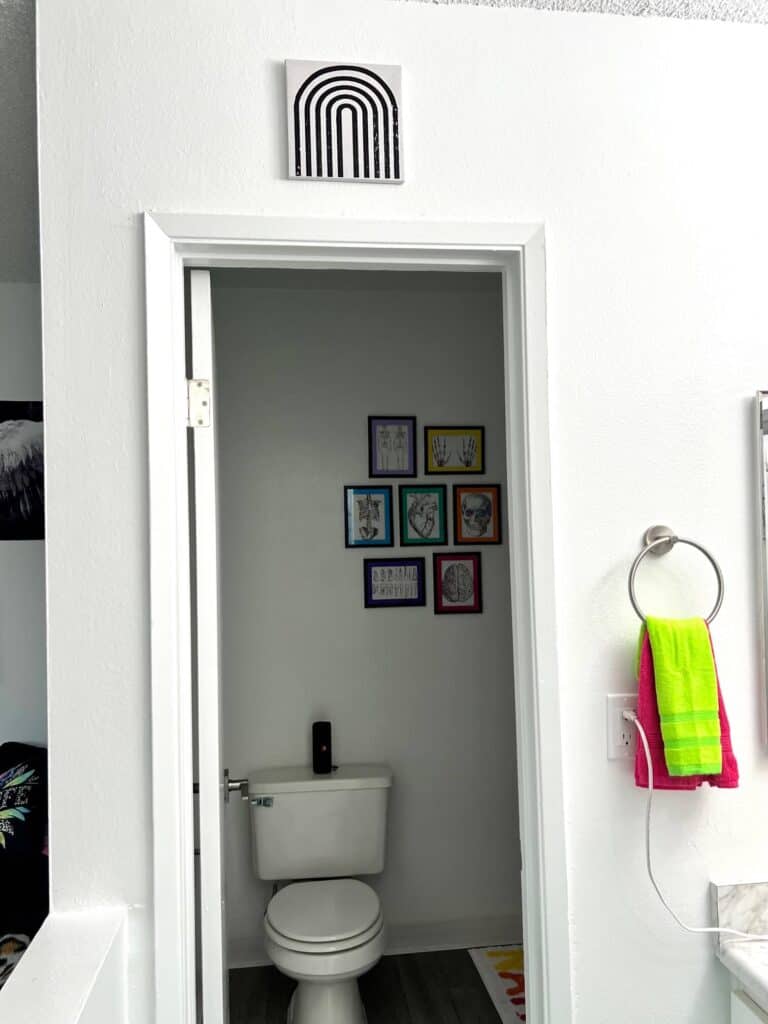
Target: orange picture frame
{"points": [[477, 514]]}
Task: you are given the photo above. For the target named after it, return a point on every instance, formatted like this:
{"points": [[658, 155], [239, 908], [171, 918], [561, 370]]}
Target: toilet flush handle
{"points": [[234, 786]]}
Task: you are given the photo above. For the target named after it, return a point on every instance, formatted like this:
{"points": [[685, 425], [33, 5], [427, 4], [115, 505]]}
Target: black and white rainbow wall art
{"points": [[344, 121]]}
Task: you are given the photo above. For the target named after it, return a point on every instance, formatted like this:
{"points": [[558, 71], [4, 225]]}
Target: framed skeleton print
{"points": [[458, 583], [368, 517], [477, 514], [423, 515], [391, 446], [454, 450]]}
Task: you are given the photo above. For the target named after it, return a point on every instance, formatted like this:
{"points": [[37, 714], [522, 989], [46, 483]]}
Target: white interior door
{"points": [[206, 631]]}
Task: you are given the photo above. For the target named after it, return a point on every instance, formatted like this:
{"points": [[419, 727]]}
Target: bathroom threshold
{"points": [[418, 988]]}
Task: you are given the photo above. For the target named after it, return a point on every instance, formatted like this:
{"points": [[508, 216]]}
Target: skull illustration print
{"points": [[477, 514]]}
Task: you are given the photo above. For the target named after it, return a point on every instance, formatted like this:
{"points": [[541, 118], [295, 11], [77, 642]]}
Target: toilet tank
{"points": [[319, 826]]}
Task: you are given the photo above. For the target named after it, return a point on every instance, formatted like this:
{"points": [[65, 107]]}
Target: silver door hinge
{"points": [[198, 403]]}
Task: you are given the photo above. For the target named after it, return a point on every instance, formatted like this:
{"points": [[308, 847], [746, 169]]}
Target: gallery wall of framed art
{"points": [[424, 518]]}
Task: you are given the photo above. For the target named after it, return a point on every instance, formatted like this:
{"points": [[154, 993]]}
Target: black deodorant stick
{"points": [[322, 759]]}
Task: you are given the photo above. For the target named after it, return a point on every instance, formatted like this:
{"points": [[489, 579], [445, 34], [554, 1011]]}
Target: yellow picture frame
{"points": [[454, 450]]}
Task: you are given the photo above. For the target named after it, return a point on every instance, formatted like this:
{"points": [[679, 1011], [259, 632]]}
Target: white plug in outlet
{"points": [[621, 734]]}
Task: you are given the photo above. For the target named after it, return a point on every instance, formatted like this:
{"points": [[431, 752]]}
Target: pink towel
{"points": [[648, 716]]}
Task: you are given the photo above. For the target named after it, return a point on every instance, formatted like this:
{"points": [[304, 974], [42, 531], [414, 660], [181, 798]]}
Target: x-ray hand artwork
{"points": [[468, 452], [440, 450]]}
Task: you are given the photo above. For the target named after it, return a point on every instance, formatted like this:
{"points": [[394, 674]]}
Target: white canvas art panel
{"points": [[344, 121]]}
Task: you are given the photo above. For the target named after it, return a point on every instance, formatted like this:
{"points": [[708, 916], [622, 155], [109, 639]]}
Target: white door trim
{"points": [[176, 241]]}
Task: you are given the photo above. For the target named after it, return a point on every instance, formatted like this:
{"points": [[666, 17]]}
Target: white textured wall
{"points": [[22, 563], [641, 144], [302, 360]]}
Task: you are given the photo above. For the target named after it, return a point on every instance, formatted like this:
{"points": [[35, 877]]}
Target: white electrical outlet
{"points": [[621, 734]]}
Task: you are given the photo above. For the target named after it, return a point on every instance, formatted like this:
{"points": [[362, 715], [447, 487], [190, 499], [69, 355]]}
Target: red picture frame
{"points": [[457, 582]]}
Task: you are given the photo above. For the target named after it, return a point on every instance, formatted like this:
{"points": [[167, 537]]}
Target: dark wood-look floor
{"points": [[423, 988]]}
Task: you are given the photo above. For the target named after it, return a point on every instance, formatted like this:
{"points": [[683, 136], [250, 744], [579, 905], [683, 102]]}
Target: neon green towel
{"points": [[686, 692]]}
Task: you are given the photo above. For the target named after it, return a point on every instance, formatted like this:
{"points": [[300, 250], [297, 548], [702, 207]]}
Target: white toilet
{"points": [[328, 931]]}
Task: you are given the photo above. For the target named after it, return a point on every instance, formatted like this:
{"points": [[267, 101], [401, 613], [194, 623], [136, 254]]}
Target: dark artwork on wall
{"points": [[21, 471], [344, 121]]}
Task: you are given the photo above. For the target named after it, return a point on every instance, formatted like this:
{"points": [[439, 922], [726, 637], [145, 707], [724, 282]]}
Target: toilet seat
{"points": [[324, 917]]}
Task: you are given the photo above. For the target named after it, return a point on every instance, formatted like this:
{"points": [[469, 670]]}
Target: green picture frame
{"points": [[423, 515]]}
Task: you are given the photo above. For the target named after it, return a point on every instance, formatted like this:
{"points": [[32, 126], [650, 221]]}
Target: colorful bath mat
{"points": [[501, 968]]}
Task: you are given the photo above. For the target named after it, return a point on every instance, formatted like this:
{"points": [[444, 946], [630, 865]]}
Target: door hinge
{"points": [[198, 403]]}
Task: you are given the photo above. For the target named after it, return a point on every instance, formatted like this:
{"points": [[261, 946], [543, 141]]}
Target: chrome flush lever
{"points": [[234, 786]]}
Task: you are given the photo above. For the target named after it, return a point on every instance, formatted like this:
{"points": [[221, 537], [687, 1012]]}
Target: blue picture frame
{"points": [[368, 521]]}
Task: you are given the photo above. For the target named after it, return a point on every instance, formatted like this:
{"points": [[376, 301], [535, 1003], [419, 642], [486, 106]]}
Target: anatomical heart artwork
{"points": [[423, 515], [368, 517]]}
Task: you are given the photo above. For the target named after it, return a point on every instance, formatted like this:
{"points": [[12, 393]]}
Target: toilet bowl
{"points": [[325, 934]]}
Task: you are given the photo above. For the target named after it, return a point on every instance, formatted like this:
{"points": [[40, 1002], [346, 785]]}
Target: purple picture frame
{"points": [[391, 446], [404, 571]]}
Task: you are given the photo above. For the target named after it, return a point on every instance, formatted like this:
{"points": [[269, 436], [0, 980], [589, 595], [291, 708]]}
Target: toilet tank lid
{"points": [[301, 779]]}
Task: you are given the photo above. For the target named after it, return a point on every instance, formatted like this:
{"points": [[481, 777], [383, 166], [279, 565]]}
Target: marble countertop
{"points": [[748, 963], [745, 907]]}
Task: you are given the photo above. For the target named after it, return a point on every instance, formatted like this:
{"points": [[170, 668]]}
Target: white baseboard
{"points": [[463, 934], [414, 938]]}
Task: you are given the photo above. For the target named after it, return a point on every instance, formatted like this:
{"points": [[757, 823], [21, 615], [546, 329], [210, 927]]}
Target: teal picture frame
{"points": [[368, 516], [423, 515]]}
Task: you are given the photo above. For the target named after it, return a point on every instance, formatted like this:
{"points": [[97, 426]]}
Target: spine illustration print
{"points": [[339, 95]]}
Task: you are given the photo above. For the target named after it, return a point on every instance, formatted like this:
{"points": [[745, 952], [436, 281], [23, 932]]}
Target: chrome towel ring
{"points": [[658, 540]]}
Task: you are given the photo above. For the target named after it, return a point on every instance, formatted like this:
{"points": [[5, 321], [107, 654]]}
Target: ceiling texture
{"points": [[19, 235], [700, 10]]}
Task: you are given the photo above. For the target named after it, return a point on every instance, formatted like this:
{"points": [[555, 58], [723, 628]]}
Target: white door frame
{"points": [[516, 251]]}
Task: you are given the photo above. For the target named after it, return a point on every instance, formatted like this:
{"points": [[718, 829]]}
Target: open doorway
{"points": [[179, 398], [303, 358]]}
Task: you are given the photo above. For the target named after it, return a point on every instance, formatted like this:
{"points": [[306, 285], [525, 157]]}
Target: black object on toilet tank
{"points": [[322, 758]]}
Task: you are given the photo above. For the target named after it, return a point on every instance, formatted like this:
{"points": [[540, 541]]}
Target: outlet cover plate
{"points": [[621, 735]]}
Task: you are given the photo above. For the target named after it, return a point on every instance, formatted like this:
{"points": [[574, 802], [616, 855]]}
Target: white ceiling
{"points": [[710, 10], [19, 238]]}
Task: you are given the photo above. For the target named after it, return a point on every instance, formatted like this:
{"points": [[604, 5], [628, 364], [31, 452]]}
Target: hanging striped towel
{"points": [[687, 696]]}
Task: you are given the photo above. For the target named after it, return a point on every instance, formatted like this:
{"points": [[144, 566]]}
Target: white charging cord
{"points": [[631, 716]]}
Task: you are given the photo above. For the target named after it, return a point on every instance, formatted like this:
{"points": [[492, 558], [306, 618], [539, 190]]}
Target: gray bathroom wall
{"points": [[22, 563], [302, 359]]}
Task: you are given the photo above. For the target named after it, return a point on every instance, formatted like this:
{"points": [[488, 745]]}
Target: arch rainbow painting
{"points": [[344, 121]]}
